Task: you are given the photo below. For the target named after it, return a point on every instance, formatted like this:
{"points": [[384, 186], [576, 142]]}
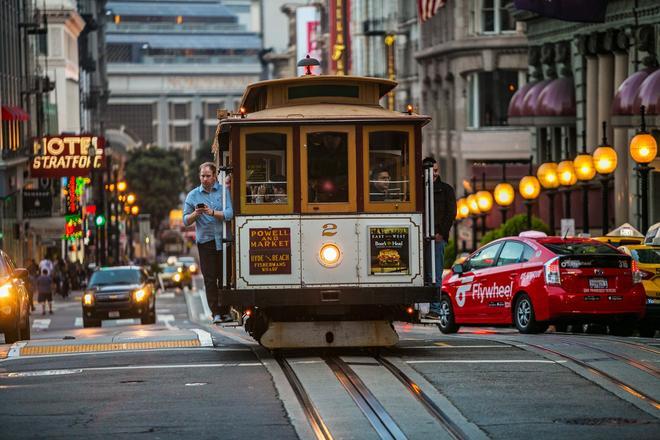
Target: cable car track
{"points": [[632, 362], [599, 372], [382, 422]]}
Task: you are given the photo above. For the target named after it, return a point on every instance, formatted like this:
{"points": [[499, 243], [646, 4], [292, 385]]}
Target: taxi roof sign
{"points": [[625, 230], [532, 234]]}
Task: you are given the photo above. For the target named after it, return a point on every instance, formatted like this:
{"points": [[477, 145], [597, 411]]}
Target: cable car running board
{"points": [[329, 334]]}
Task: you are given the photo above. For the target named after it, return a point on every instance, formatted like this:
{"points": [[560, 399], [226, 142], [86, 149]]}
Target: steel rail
{"points": [[598, 372], [315, 420], [636, 345], [380, 420], [452, 428], [632, 362]]}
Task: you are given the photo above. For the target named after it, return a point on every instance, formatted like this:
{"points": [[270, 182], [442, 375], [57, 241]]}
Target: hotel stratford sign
{"points": [[61, 156]]}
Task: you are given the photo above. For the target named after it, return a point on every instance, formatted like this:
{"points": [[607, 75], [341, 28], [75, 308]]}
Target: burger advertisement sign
{"points": [[389, 250], [66, 155]]}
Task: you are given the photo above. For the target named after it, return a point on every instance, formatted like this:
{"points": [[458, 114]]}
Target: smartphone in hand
{"points": [[200, 206]]}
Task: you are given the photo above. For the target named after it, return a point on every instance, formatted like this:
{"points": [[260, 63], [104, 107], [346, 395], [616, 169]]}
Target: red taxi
{"points": [[533, 280]]}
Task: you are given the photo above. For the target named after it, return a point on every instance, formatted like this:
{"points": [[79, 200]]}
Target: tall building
{"points": [[473, 58], [172, 64], [20, 24], [595, 66]]}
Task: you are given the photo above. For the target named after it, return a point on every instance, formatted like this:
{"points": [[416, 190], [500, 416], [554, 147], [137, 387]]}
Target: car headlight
{"points": [[139, 295], [329, 255], [179, 269], [5, 290], [88, 299], [193, 268], [177, 277]]}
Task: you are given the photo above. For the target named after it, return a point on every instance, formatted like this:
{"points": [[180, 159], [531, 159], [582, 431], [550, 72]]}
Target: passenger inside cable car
{"points": [[327, 165], [277, 193], [380, 184]]}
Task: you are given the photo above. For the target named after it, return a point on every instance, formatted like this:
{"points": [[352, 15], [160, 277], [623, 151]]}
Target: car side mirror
{"points": [[457, 269]]}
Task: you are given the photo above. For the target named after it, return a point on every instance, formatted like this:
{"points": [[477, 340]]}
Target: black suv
{"points": [[117, 293], [14, 301]]}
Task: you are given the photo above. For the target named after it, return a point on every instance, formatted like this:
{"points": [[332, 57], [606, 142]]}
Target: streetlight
{"points": [[584, 171], [475, 211], [485, 203], [529, 188], [549, 179], [643, 149], [504, 194], [463, 208], [605, 160], [131, 198]]}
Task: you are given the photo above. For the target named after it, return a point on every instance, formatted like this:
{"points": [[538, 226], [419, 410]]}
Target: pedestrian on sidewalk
{"points": [[45, 291], [203, 207], [444, 213]]}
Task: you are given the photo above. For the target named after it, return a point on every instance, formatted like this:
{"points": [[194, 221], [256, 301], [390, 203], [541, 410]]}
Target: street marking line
{"points": [[166, 295], [204, 337], [78, 322], [38, 350], [488, 361], [15, 350], [166, 319], [127, 367], [41, 323], [446, 347], [234, 337]]}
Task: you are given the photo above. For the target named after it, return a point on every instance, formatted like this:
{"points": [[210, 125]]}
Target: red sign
{"points": [[61, 156], [270, 251]]}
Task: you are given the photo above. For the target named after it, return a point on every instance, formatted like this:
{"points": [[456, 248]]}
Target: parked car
{"points": [[14, 301], [648, 261], [533, 280], [119, 292]]}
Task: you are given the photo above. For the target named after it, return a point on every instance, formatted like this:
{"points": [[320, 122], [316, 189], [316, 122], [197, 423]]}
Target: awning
{"points": [[556, 103], [515, 112], [14, 114], [631, 95]]}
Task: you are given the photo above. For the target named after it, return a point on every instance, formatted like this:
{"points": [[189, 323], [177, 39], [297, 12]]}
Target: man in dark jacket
{"points": [[444, 213]]}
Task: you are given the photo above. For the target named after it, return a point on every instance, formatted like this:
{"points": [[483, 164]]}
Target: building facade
{"points": [[606, 71], [172, 64]]}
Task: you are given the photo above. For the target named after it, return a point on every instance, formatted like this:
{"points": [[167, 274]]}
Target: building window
{"points": [[137, 119], [489, 94], [179, 133], [495, 17], [211, 108], [179, 110]]}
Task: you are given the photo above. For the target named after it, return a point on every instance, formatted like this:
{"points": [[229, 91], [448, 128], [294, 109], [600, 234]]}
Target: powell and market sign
{"points": [[61, 156]]}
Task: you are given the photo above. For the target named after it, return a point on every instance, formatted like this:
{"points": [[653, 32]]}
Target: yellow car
{"points": [[624, 235], [648, 262]]}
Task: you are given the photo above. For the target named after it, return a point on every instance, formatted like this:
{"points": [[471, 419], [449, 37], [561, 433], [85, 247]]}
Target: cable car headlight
{"points": [[329, 255]]}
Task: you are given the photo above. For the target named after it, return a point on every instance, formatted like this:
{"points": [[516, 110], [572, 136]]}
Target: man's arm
{"points": [[450, 210], [226, 214], [190, 214]]}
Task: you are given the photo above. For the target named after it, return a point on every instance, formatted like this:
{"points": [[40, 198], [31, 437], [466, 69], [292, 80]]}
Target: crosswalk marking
{"points": [[41, 323], [168, 295], [78, 322], [167, 319]]}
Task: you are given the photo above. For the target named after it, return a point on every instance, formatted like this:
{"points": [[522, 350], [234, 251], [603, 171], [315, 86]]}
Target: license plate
{"points": [[113, 314], [597, 283]]}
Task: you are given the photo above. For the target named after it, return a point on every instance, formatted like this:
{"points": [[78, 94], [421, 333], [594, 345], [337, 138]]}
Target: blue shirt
{"points": [[208, 228]]}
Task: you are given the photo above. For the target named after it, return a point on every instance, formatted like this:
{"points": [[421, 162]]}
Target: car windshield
{"points": [[169, 269], [187, 260], [646, 256], [119, 276], [580, 248]]}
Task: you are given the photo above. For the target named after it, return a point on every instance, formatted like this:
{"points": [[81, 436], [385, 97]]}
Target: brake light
{"points": [[637, 275], [551, 271]]}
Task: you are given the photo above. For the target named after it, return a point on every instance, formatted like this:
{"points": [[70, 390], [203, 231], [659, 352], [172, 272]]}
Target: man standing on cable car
{"points": [[203, 207], [444, 213]]}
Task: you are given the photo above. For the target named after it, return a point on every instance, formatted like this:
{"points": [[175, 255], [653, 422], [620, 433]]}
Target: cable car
{"points": [[328, 191]]}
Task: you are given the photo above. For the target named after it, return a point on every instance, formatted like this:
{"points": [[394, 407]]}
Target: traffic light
{"points": [[100, 220]]}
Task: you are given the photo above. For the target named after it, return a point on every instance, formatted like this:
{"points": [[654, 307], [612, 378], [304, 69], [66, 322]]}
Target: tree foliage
{"points": [[203, 154], [156, 177], [514, 226]]}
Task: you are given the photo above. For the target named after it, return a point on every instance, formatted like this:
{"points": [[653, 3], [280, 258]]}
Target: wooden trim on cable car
{"points": [[331, 207], [390, 206], [266, 208]]}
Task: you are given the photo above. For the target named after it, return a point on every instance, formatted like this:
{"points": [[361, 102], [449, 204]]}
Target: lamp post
{"points": [[473, 205], [547, 175], [504, 194], [643, 149], [584, 171], [529, 187], [130, 204], [567, 178], [485, 203], [605, 161]]}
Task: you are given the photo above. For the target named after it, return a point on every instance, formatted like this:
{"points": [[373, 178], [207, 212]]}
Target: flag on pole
{"points": [[587, 11], [428, 8]]}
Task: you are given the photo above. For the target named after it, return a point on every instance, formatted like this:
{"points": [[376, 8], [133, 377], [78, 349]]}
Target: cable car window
{"points": [[266, 168], [327, 167], [389, 163]]}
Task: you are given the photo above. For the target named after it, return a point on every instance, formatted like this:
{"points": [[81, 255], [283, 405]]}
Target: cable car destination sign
{"points": [[61, 156]]}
